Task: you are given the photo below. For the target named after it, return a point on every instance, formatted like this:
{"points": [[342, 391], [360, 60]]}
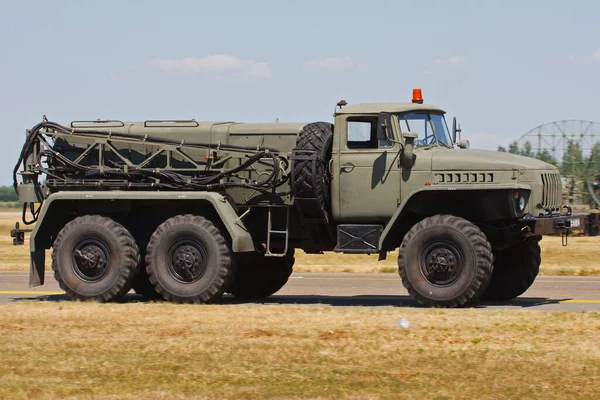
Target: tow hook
{"points": [[564, 238], [18, 235]]}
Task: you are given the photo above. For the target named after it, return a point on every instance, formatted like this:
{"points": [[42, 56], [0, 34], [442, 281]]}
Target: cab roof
{"points": [[376, 108]]}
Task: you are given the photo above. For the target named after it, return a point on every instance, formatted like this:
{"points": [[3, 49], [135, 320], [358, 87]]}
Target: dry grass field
{"points": [[11, 257], [166, 351], [152, 351], [580, 257]]}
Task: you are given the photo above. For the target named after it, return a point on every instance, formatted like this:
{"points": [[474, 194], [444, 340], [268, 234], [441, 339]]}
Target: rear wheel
{"points": [[95, 258], [515, 269], [445, 261], [188, 260], [258, 276]]}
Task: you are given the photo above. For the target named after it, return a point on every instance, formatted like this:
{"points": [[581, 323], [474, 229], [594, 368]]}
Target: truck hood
{"points": [[447, 159]]}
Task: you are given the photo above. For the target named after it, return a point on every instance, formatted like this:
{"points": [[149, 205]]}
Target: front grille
{"points": [[551, 196]]}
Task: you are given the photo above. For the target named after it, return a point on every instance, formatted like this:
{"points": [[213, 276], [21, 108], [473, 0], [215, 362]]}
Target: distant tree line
{"points": [[7, 193], [573, 162]]}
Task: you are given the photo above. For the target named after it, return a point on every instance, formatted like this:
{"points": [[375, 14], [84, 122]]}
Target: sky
{"points": [[500, 67]]}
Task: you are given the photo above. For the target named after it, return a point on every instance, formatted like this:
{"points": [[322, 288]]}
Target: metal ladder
{"points": [[271, 231]]}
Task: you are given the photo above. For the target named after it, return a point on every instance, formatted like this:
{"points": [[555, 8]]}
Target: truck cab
{"points": [[394, 154], [368, 156]]}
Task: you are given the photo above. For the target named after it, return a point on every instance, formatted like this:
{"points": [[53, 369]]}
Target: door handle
{"points": [[348, 167]]}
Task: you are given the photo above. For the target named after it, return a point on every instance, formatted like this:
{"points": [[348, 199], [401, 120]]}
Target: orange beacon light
{"points": [[417, 96]]}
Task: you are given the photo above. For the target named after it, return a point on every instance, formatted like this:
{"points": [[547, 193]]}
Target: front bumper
{"points": [[555, 224]]}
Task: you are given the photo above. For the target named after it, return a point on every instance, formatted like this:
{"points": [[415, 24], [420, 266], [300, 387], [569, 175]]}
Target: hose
{"points": [[73, 172]]}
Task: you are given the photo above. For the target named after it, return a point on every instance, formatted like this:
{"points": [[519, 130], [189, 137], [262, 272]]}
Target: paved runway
{"points": [[343, 289]]}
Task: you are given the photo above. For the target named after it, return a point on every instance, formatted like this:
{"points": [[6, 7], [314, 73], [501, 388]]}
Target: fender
{"points": [[401, 210], [241, 240]]}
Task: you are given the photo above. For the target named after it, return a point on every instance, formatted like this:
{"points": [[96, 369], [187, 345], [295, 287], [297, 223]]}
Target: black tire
{"points": [[445, 261], [515, 269], [95, 258], [316, 138], [188, 260], [142, 285], [257, 276]]}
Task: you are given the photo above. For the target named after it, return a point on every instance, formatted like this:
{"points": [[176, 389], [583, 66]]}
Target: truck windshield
{"points": [[431, 128]]}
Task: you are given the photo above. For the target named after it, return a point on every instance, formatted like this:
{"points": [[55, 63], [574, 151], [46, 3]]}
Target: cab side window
{"points": [[362, 134]]}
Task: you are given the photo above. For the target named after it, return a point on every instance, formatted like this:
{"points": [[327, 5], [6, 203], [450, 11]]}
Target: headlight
{"points": [[521, 203], [519, 200]]}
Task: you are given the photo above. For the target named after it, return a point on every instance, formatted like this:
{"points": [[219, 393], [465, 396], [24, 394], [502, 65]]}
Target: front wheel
{"points": [[188, 260], [445, 261]]}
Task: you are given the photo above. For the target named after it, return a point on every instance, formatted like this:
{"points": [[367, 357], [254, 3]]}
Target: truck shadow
{"points": [[381, 301], [334, 301]]}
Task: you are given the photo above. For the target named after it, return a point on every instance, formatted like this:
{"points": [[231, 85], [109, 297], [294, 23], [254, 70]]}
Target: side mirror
{"points": [[408, 157], [455, 130], [384, 126]]}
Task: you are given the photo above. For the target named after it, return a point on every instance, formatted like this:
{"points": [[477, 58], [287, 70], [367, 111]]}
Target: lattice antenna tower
{"points": [[554, 137]]}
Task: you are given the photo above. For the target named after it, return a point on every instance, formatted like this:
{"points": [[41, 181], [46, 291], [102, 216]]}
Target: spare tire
{"points": [[311, 179]]}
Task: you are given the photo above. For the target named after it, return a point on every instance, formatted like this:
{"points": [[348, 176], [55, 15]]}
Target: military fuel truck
{"points": [[186, 211]]}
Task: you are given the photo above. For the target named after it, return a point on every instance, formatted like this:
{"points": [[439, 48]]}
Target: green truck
{"points": [[186, 211]]}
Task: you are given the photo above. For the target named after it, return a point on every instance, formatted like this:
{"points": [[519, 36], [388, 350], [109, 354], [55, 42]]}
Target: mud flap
{"points": [[38, 263]]}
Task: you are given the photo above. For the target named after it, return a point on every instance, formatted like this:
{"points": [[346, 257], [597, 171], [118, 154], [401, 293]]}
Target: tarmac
{"points": [[350, 290]]}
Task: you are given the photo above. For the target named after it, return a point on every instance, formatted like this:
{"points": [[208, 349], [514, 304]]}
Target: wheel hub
{"points": [[441, 264], [187, 262], [90, 260]]}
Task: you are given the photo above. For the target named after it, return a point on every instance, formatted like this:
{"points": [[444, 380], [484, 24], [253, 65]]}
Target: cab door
{"points": [[367, 170]]}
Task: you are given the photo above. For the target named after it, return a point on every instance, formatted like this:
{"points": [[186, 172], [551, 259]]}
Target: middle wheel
{"points": [[188, 260]]}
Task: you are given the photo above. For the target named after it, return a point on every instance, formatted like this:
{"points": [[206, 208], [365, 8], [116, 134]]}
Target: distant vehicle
{"points": [[187, 210]]}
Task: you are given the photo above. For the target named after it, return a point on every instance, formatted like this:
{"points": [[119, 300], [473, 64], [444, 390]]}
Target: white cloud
{"points": [[335, 64], [453, 60], [588, 59], [330, 63], [219, 63], [362, 67]]}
